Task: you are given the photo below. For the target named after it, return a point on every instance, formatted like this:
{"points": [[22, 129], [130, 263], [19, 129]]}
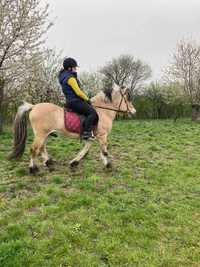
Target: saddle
{"points": [[74, 122]]}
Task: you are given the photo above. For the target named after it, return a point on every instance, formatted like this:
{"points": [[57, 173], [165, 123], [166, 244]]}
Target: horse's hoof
{"points": [[49, 162], [73, 163], [53, 134], [33, 170], [109, 165]]}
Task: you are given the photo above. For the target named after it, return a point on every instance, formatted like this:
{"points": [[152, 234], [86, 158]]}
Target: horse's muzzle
{"points": [[131, 114]]}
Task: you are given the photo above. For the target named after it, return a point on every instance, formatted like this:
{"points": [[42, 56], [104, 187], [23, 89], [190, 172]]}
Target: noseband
{"points": [[123, 97]]}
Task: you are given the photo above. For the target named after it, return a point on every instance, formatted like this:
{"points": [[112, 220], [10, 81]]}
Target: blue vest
{"points": [[69, 93]]}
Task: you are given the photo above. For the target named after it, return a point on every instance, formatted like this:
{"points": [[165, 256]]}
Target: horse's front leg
{"points": [[104, 151]]}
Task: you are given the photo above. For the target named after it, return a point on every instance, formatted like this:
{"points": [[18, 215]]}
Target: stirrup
{"points": [[88, 136]]}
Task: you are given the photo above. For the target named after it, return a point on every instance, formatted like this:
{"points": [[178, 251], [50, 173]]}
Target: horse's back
{"points": [[44, 109], [46, 116]]}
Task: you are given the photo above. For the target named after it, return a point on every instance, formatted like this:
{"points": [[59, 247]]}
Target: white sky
{"points": [[95, 31]]}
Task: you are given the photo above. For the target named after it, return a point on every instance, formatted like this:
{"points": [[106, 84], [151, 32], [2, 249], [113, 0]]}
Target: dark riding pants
{"points": [[87, 110]]}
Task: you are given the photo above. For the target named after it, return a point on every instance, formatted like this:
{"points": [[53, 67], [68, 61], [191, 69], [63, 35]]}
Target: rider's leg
{"points": [[84, 108]]}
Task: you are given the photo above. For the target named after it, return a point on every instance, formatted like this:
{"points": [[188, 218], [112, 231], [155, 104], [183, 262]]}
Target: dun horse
{"points": [[46, 118]]}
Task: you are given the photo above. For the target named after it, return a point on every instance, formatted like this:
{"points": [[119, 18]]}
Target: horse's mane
{"points": [[108, 93], [104, 96]]}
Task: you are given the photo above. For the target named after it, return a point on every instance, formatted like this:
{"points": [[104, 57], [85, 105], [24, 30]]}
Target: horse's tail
{"points": [[20, 131]]}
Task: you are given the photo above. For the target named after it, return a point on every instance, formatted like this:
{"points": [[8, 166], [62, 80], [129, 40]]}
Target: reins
{"points": [[117, 110]]}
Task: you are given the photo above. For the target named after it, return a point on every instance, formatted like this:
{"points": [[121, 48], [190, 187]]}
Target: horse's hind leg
{"points": [[47, 161], [36, 148], [80, 155]]}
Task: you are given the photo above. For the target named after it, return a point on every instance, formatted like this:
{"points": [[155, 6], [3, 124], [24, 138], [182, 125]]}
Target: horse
{"points": [[47, 118]]}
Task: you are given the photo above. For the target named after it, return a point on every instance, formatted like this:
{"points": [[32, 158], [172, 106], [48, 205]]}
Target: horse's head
{"points": [[121, 97]]}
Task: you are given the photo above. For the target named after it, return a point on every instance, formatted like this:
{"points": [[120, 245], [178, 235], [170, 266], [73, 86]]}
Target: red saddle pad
{"points": [[72, 122]]}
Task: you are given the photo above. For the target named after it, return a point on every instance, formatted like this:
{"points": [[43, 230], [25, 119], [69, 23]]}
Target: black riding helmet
{"points": [[69, 63]]}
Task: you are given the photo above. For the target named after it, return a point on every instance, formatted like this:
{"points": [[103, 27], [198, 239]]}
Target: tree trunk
{"points": [[196, 112], [1, 104]]}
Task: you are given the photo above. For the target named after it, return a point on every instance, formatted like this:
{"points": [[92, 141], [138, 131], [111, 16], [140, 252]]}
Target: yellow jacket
{"points": [[74, 85]]}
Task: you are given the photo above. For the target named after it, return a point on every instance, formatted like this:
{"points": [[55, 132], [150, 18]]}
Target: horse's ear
{"points": [[123, 87], [119, 87]]}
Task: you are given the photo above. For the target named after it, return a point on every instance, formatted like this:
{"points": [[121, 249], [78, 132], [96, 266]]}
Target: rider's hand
{"points": [[89, 102]]}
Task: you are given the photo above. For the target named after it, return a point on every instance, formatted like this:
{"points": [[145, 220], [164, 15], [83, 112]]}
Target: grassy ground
{"points": [[145, 212]]}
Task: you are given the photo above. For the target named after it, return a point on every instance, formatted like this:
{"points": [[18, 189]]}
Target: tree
{"points": [[22, 26], [185, 70], [42, 82], [92, 83], [39, 82], [154, 93], [160, 101], [126, 71]]}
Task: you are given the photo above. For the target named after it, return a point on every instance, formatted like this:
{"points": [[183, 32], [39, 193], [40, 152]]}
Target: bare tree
{"points": [[22, 26], [126, 71], [91, 82], [185, 69]]}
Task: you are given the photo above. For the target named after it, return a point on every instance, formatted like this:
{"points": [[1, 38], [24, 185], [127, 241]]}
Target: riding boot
{"points": [[87, 135]]}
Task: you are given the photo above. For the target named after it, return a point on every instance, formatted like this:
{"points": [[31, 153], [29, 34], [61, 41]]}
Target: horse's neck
{"points": [[106, 108]]}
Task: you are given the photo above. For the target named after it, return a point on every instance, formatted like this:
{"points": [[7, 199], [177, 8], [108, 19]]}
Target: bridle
{"points": [[123, 97]]}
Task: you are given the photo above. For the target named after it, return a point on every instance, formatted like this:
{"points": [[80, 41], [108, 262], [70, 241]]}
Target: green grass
{"points": [[145, 212]]}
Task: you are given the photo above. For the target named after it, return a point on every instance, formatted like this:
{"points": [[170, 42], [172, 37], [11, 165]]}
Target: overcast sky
{"points": [[95, 31]]}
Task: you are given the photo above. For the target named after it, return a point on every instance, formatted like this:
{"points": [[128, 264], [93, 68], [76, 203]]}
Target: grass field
{"points": [[145, 212]]}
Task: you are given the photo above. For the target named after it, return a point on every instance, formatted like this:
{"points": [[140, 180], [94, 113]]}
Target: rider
{"points": [[76, 99]]}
